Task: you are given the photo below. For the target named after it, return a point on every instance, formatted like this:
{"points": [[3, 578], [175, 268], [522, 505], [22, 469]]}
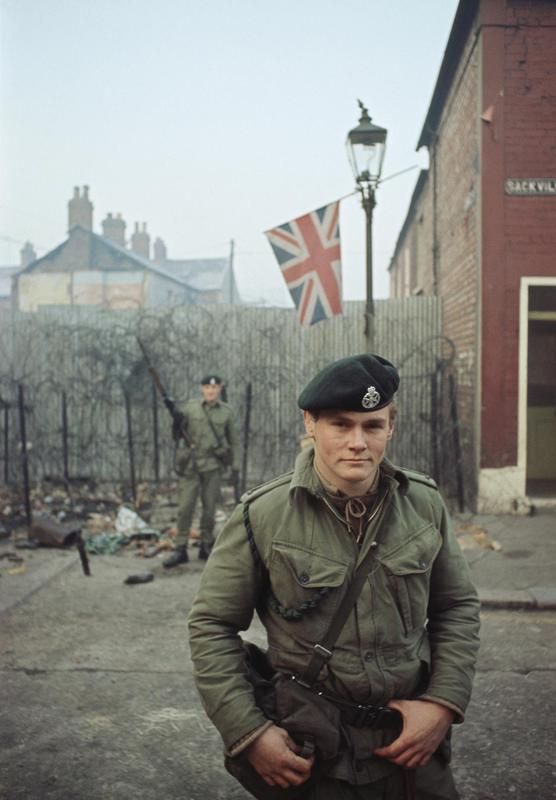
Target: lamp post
{"points": [[366, 145]]}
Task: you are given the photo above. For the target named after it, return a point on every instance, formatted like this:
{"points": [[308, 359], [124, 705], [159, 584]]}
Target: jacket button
{"points": [[423, 564], [303, 578], [368, 656]]}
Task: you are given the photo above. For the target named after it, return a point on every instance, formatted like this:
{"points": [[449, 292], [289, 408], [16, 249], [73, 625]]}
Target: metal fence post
{"points": [[24, 455]]}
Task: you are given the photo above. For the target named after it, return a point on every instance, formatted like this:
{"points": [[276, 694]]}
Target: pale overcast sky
{"points": [[212, 120]]}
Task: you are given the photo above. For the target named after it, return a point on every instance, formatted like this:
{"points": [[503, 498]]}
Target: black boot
{"points": [[204, 551], [179, 556]]}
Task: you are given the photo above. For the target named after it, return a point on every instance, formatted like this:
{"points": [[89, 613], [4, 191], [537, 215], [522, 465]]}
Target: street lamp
{"points": [[366, 145]]}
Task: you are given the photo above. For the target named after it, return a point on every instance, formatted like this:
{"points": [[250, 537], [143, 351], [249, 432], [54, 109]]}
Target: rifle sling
{"points": [[219, 442]]}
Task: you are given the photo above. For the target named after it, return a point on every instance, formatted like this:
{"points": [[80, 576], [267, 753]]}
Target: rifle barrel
{"points": [[168, 402]]}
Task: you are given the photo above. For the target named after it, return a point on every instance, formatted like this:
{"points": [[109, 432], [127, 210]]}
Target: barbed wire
{"points": [[90, 362]]}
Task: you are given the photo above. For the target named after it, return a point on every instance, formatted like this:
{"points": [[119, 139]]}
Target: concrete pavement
{"points": [[97, 700], [512, 560]]}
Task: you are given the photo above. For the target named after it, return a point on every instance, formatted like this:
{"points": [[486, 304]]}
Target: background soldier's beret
{"points": [[211, 379], [357, 383]]}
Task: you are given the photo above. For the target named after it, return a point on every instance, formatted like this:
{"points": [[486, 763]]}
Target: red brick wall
{"points": [[498, 121], [411, 269], [519, 233], [456, 159]]}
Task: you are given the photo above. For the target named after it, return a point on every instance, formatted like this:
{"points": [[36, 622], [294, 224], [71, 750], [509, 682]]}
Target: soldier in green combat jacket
{"points": [[211, 448], [409, 643]]}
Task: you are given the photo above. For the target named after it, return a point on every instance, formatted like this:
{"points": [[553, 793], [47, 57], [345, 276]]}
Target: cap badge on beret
{"points": [[212, 382], [371, 398]]}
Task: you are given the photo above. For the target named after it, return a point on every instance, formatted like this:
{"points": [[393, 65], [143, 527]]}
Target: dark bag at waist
{"points": [[320, 723], [365, 716], [223, 454], [300, 708]]}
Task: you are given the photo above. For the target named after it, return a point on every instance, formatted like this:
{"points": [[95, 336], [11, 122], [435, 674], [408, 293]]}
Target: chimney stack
{"points": [[80, 209], [113, 228], [141, 241], [159, 251], [28, 254]]}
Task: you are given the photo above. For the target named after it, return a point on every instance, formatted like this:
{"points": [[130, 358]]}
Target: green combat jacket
{"points": [[201, 456], [414, 629]]}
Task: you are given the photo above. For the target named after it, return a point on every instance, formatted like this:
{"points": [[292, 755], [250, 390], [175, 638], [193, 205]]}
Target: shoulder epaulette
{"points": [[263, 488], [420, 477]]}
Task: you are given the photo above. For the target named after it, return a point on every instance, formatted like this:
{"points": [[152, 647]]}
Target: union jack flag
{"points": [[308, 252]]}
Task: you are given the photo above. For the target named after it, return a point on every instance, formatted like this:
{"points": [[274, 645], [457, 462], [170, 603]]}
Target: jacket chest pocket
{"points": [[303, 583], [408, 574]]}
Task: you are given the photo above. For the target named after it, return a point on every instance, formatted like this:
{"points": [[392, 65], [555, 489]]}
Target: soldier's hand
{"points": [[425, 724], [177, 423], [273, 755]]}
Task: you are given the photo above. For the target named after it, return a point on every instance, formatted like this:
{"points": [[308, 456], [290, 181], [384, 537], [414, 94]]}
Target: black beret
{"points": [[211, 379], [357, 383]]}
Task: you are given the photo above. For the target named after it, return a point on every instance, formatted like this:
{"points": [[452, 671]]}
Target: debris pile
{"points": [[103, 516], [473, 537]]}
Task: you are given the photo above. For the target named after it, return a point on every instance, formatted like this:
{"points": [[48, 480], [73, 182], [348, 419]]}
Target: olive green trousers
{"points": [[207, 485]]}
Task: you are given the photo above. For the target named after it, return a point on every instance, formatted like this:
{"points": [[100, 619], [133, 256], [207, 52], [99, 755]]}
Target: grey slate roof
{"points": [[196, 274], [129, 255]]}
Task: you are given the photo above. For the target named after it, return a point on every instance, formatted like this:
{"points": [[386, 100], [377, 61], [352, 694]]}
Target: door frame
{"points": [[526, 282]]}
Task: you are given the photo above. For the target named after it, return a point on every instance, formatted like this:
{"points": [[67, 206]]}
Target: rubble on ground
{"points": [[473, 537], [105, 514]]}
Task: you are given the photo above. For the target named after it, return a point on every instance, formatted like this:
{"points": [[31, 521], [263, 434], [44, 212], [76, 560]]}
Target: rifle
{"points": [[177, 418], [235, 481]]}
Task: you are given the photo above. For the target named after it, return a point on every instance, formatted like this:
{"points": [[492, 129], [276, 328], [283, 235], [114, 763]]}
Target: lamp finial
{"points": [[364, 112]]}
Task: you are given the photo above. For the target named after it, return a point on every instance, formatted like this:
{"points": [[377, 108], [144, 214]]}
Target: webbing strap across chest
{"points": [[322, 651], [218, 438]]}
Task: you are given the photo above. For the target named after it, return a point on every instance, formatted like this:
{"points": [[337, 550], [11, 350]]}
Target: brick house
{"points": [[100, 270], [481, 233]]}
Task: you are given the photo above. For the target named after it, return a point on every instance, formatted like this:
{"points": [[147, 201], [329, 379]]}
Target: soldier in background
{"points": [[208, 423]]}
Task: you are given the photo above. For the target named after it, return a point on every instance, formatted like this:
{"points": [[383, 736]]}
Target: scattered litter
{"points": [[19, 570], [26, 544], [128, 522], [9, 561], [473, 537], [51, 533], [147, 550], [144, 577], [11, 557], [99, 523], [151, 552], [104, 512], [105, 543], [142, 494], [146, 533]]}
